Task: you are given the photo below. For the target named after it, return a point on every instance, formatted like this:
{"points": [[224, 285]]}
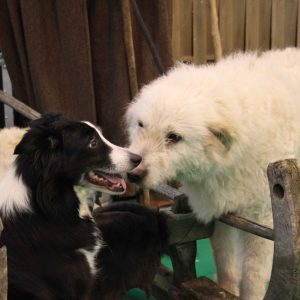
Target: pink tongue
{"points": [[112, 179]]}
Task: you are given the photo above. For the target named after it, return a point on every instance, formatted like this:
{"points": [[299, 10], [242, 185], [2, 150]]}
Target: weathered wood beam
{"points": [[19, 106], [215, 32], [181, 204], [284, 182], [205, 289], [248, 226], [186, 228]]}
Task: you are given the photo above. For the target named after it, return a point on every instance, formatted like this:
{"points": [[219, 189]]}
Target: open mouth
{"points": [[106, 182]]}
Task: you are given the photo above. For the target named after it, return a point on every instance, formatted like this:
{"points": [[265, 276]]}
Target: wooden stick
{"points": [[215, 32], [248, 226], [19, 106], [146, 195], [3, 269], [129, 47]]}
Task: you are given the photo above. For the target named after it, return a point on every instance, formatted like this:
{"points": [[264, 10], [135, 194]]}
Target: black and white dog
{"points": [[51, 250]]}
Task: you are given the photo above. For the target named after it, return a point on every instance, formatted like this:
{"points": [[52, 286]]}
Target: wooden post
{"points": [[3, 269], [127, 25], [128, 38], [183, 255], [215, 30], [284, 182]]}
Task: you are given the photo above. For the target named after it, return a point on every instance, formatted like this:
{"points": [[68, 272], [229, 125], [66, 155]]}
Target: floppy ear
{"points": [[223, 134]]}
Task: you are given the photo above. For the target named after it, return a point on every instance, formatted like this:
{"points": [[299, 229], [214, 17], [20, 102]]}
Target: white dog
{"points": [[216, 128], [9, 138]]}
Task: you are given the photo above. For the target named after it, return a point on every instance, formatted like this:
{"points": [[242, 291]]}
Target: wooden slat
{"points": [[199, 31], [248, 226], [258, 24], [215, 31], [284, 23], [128, 38], [182, 29], [203, 288], [232, 25], [210, 53], [185, 228], [170, 192]]}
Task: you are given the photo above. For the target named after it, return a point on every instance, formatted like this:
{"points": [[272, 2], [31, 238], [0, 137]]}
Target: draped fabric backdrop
{"points": [[69, 55]]}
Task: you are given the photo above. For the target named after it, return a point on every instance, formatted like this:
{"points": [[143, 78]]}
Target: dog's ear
{"points": [[223, 134], [47, 120]]}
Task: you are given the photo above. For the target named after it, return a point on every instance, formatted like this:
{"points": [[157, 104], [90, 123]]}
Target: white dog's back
{"points": [[9, 138]]}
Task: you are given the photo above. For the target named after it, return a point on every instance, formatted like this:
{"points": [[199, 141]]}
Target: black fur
{"points": [[43, 258], [135, 238]]}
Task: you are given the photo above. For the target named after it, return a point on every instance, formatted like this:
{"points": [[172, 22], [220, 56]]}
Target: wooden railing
{"points": [[284, 183]]}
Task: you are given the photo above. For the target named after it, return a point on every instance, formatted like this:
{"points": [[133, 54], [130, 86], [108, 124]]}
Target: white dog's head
{"points": [[178, 129]]}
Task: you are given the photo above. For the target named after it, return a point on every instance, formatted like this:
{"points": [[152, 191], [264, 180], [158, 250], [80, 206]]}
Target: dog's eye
{"points": [[140, 123], [93, 143], [173, 138]]}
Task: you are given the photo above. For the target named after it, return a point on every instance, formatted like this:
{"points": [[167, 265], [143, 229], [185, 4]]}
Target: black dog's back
{"points": [[135, 238]]}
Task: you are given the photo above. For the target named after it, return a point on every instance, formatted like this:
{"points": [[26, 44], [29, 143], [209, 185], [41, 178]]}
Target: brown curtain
{"points": [[69, 55]]}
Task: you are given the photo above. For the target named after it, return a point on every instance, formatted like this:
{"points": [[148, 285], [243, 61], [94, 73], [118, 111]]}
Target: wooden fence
{"points": [[244, 25]]}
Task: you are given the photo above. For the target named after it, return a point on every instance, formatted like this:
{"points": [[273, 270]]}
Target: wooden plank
{"points": [[248, 226], [284, 183], [284, 23], [199, 31], [182, 29], [186, 228], [258, 24], [203, 288], [130, 53], [169, 192], [232, 25]]}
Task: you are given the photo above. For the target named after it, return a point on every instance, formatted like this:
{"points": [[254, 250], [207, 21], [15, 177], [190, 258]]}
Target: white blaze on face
{"points": [[14, 195], [120, 157]]}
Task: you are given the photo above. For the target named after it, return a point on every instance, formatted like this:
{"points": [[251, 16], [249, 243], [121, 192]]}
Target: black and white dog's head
{"points": [[55, 155], [76, 152]]}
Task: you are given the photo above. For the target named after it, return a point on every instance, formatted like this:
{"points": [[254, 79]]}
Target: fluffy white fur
{"points": [[9, 138], [234, 118], [14, 194]]}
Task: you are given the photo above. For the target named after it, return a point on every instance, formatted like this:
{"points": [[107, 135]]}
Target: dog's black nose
{"points": [[135, 159], [137, 175]]}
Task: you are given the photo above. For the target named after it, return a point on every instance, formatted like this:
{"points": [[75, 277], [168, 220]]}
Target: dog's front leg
{"points": [[257, 263], [225, 243]]}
